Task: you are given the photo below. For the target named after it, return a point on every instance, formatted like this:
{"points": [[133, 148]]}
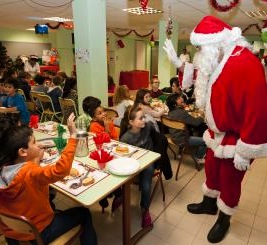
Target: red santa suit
{"points": [[236, 114]]}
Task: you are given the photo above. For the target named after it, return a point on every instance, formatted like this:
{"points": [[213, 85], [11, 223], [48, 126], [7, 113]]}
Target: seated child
{"points": [[24, 183], [14, 101], [100, 123]]}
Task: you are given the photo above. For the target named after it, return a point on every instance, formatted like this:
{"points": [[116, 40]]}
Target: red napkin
{"points": [[101, 138], [34, 120], [101, 157]]}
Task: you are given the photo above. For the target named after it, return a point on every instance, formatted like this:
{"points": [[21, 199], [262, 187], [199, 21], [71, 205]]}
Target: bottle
{"points": [[82, 149]]}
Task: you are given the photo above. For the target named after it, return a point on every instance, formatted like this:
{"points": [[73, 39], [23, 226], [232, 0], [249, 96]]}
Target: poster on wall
{"points": [[82, 55]]}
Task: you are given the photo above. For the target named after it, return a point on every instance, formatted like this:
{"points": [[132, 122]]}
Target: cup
{"points": [[101, 165]]}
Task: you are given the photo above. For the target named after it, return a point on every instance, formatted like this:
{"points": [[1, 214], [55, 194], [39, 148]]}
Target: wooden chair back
{"points": [[21, 92], [23, 225], [111, 113]]}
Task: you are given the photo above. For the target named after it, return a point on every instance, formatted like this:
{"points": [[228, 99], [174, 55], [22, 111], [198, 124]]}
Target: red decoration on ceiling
{"points": [[224, 7], [143, 3]]}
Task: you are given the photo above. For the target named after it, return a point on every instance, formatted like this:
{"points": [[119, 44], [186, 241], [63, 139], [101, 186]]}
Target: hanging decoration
{"points": [[143, 4], [134, 31], [250, 26], [264, 33], [152, 41], [65, 25], [169, 27], [224, 5]]}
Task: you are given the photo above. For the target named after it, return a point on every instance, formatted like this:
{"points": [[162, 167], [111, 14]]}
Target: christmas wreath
{"points": [[224, 7]]}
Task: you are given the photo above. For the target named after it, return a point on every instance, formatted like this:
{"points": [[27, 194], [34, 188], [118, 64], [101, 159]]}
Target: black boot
{"points": [[207, 206], [220, 228]]}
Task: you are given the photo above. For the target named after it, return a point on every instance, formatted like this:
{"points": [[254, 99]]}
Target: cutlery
{"points": [[79, 184]]}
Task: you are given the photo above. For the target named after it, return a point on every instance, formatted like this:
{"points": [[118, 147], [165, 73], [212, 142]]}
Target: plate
{"points": [[123, 166], [80, 169], [131, 150], [47, 143]]}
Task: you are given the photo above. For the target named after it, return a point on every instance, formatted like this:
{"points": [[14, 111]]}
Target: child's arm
{"points": [[52, 173]]}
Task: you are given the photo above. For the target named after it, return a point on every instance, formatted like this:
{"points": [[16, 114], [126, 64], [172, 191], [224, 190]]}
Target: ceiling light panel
{"points": [[141, 11]]}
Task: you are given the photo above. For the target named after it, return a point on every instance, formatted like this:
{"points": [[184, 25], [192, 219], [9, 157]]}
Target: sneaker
{"points": [[146, 219]]}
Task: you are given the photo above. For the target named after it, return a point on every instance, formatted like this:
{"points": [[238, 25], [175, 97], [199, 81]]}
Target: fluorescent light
{"points": [[30, 29], [141, 11], [57, 19]]}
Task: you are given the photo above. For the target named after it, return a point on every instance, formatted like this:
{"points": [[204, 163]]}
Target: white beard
{"points": [[207, 61]]}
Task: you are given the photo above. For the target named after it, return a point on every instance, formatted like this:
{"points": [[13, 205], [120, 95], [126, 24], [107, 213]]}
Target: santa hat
{"points": [[212, 30]]}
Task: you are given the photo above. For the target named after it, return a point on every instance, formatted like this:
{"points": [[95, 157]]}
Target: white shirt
{"points": [[33, 70]]}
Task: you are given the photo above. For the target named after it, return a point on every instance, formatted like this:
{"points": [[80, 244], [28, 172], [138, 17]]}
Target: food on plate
{"points": [[122, 149], [74, 172], [88, 181]]}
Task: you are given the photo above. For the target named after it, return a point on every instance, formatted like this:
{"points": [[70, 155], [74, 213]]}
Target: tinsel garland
{"points": [[134, 31], [224, 8], [143, 3]]}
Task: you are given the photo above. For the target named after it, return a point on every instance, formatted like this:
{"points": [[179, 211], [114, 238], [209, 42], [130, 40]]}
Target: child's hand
{"points": [[107, 122], [71, 126]]}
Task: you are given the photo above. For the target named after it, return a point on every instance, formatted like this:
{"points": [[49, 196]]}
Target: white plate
{"points": [[47, 143], [123, 166], [131, 150]]}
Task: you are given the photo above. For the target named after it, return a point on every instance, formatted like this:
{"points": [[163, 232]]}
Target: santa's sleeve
{"points": [[252, 104]]}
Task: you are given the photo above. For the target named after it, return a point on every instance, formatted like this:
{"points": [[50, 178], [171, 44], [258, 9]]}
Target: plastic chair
{"points": [[170, 123], [67, 107], [48, 110], [21, 224]]}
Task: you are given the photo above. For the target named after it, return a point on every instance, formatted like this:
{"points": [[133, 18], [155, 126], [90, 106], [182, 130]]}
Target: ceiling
{"points": [[15, 14]]}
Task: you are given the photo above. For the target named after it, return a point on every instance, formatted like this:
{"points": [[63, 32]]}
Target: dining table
{"points": [[107, 185]]}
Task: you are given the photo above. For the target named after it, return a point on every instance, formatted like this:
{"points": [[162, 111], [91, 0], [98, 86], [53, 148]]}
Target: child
{"points": [[143, 99], [14, 101], [135, 131], [121, 101], [100, 123], [24, 184], [54, 92], [175, 102]]}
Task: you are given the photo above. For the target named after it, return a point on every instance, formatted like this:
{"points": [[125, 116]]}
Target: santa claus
{"points": [[232, 89]]}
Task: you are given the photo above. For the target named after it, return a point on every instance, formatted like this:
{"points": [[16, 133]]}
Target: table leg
{"points": [[126, 215]]}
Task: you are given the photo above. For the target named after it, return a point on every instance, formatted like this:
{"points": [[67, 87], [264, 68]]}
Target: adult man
{"points": [[232, 89], [184, 57]]}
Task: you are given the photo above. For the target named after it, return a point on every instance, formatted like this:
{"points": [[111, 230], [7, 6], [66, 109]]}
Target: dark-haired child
{"points": [[135, 131], [24, 186], [14, 101]]}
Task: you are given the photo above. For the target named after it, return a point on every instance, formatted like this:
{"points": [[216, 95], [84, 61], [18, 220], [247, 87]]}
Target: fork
{"points": [[79, 184]]}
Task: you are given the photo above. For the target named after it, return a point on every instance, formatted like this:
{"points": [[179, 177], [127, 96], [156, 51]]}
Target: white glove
{"points": [[241, 163], [169, 49]]}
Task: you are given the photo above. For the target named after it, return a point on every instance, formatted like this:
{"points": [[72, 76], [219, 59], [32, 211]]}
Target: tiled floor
{"points": [[174, 225]]}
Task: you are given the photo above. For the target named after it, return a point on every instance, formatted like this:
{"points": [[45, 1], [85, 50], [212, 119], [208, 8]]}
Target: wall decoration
{"points": [[224, 5]]}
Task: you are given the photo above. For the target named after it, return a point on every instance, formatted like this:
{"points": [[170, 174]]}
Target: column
{"points": [[90, 48], [166, 70], [65, 50]]}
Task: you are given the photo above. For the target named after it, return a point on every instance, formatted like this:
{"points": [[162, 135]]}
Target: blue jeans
{"points": [[64, 221], [145, 178], [198, 141]]}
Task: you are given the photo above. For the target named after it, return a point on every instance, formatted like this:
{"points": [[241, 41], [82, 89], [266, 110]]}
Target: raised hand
{"points": [[172, 56], [71, 125]]}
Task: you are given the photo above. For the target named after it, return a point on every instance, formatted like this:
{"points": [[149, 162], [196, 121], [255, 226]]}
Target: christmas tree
{"points": [[3, 56]]}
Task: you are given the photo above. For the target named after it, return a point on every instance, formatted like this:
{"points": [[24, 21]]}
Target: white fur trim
{"points": [[209, 116], [220, 151], [224, 208], [251, 151], [188, 76], [209, 192], [226, 35]]}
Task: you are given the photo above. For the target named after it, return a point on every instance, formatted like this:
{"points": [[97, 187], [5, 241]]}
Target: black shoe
{"points": [[207, 206], [220, 228], [104, 204]]}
